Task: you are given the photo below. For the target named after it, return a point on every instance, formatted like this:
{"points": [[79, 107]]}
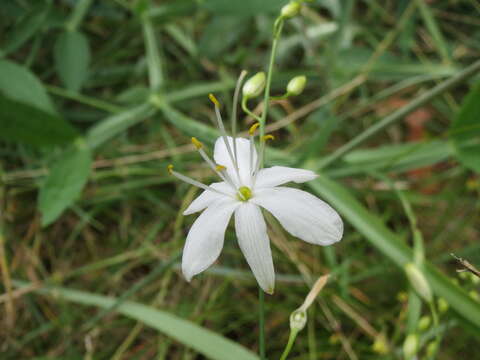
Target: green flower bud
{"points": [[431, 349], [442, 305], [419, 282], [380, 346], [254, 86], [298, 319], [296, 85], [424, 323], [291, 9], [410, 346]]}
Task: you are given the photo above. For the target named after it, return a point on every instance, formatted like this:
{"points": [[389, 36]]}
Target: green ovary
{"points": [[244, 193]]}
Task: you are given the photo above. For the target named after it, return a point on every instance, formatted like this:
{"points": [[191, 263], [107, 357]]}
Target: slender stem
{"points": [[78, 14], [261, 322], [288, 347], [277, 29], [248, 112], [401, 113]]}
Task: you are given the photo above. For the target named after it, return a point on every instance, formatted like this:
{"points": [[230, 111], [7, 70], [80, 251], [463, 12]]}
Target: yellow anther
{"points": [[214, 100], [220, 168], [268, 137], [170, 168], [197, 143], [252, 129]]}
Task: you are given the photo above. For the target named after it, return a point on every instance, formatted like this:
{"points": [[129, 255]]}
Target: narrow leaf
{"points": [[391, 246], [465, 131], [65, 182], [205, 341]]}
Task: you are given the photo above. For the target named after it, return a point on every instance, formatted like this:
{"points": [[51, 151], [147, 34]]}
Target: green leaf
{"points": [[65, 181], [205, 341], [392, 246], [26, 124], [244, 7], [19, 84], [72, 58], [465, 131]]}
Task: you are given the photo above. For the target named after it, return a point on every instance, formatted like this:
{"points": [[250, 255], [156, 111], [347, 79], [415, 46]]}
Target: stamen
{"points": [[236, 94], [197, 143], [223, 175], [265, 138], [220, 168], [268, 137], [214, 100], [253, 128], [193, 182], [224, 135]]}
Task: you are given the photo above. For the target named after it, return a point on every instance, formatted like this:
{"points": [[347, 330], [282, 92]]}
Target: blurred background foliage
{"points": [[97, 97]]}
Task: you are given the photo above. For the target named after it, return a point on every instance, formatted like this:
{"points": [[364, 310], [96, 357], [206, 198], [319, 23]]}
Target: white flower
{"points": [[246, 189]]}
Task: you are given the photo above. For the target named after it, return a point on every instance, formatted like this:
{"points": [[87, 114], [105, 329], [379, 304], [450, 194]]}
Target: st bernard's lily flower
{"points": [[244, 191]]}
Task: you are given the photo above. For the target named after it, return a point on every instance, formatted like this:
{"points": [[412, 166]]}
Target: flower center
{"points": [[244, 193]]}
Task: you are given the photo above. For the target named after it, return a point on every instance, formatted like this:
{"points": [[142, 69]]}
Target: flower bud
{"points": [[431, 349], [410, 346], [254, 86], [418, 281], [296, 85], [298, 319], [380, 346], [291, 9], [442, 305], [424, 323]]}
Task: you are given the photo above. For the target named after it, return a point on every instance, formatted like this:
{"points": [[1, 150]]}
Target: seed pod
{"points": [[419, 282]]}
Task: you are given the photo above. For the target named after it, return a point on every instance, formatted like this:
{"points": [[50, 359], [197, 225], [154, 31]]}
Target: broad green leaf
{"points": [[465, 131], [392, 246], [210, 344], [72, 58], [24, 123], [19, 84], [393, 158], [65, 181], [244, 7]]}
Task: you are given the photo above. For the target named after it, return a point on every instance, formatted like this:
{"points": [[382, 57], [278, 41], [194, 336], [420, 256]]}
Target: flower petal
{"points": [[302, 214], [253, 240], [207, 197], [278, 175], [205, 238], [222, 157]]}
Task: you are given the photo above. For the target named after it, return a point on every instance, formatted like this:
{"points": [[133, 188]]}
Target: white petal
{"points": [[253, 240], [207, 197], [222, 157], [302, 214], [205, 238], [278, 175]]}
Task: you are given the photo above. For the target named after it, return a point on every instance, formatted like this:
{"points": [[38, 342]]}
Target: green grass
{"points": [[98, 97]]}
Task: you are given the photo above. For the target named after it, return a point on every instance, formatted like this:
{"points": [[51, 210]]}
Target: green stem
{"points": [[277, 29], [261, 322], [401, 113], [247, 110], [78, 14], [288, 347]]}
